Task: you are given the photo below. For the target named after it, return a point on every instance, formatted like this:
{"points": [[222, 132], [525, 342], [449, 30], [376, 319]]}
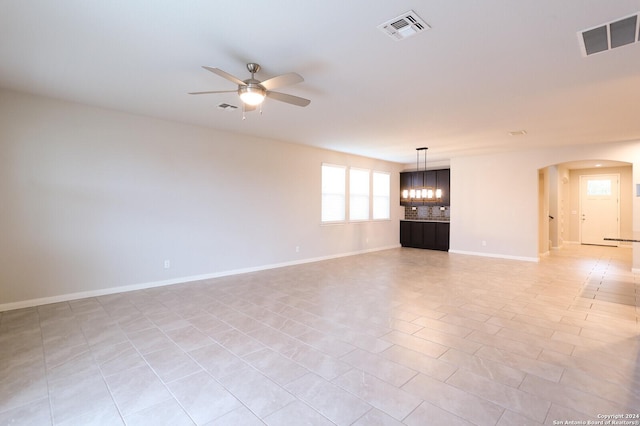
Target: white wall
{"points": [[495, 198], [544, 196], [554, 206], [94, 199], [564, 206]]}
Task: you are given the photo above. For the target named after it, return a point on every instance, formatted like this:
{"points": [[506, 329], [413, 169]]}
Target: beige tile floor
{"points": [[402, 336]]}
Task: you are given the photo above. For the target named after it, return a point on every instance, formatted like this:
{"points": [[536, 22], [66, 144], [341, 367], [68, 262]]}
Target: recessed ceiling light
{"points": [[518, 133], [598, 165]]}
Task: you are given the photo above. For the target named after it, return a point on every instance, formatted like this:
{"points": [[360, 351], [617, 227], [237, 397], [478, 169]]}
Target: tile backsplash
{"points": [[426, 213]]}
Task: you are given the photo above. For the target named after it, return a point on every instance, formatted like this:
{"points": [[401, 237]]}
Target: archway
{"points": [[559, 200]]}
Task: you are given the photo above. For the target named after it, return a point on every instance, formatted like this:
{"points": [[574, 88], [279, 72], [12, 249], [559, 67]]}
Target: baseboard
{"points": [[495, 255], [621, 245], [122, 289]]}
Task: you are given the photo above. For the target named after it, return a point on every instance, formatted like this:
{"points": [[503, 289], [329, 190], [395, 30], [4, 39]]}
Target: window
{"points": [[358, 194], [333, 193], [599, 187], [381, 195], [337, 196]]}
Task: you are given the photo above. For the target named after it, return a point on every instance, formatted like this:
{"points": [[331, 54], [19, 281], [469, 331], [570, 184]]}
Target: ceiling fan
{"points": [[252, 91]]}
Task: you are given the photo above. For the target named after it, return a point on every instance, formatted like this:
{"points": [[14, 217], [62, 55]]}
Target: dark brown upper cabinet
{"points": [[430, 181]]}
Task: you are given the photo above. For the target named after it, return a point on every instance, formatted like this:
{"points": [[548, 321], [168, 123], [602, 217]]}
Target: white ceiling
{"points": [[484, 69]]}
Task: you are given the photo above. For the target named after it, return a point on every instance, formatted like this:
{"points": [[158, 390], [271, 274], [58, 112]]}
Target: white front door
{"points": [[599, 209]]}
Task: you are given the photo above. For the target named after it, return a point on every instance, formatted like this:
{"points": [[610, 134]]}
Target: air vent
{"points": [[227, 107], [403, 26], [610, 35]]}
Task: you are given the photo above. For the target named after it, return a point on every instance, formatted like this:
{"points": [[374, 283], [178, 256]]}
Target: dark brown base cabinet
{"points": [[424, 235]]}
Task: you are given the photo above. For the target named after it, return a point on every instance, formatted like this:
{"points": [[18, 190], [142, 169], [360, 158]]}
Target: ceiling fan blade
{"points": [[290, 99], [226, 75], [282, 80], [214, 91]]}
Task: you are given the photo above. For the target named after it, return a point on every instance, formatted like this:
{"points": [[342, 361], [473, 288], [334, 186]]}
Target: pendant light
{"points": [[421, 192]]}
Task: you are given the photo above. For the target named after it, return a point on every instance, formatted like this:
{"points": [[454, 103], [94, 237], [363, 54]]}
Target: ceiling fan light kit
{"points": [[252, 92]]}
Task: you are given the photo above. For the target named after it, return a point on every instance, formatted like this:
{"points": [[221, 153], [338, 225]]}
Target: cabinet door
{"points": [[405, 234], [442, 181], [429, 181], [417, 235], [442, 236], [418, 184], [406, 182], [409, 180], [429, 235], [418, 179]]}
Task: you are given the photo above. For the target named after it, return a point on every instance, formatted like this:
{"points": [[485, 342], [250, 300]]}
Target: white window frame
{"points": [[360, 196], [380, 196], [332, 194], [345, 196]]}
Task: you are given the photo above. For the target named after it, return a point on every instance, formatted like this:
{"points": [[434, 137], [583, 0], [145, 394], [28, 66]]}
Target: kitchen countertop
{"points": [[425, 220]]}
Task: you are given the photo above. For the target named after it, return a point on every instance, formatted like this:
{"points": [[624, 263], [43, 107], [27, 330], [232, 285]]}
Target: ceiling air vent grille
{"points": [[403, 26], [227, 107], [610, 35]]}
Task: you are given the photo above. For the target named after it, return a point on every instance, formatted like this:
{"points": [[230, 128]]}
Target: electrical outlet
{"points": [[484, 243], [167, 264], [297, 249]]}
